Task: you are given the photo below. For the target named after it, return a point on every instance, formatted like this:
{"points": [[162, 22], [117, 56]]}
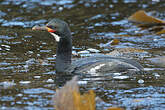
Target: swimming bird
{"points": [[60, 30]]}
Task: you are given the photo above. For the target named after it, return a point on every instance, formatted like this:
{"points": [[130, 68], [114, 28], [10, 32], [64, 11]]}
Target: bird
{"points": [[60, 30]]}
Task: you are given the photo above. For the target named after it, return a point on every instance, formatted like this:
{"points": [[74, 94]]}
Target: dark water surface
{"points": [[27, 74]]}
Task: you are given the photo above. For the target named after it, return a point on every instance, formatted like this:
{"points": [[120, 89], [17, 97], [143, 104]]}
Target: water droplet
{"points": [[82, 82], [37, 77], [50, 80], [140, 81], [60, 8], [25, 82], [121, 77]]}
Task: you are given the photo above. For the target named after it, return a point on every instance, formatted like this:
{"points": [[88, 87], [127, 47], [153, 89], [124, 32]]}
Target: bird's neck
{"points": [[63, 55]]}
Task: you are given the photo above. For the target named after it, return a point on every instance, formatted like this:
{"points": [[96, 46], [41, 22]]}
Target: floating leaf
{"points": [[69, 98], [156, 28], [114, 42], [85, 101], [138, 100], [64, 99], [123, 35], [126, 50], [145, 21], [161, 32], [115, 108], [128, 53], [130, 50], [142, 18], [133, 34]]}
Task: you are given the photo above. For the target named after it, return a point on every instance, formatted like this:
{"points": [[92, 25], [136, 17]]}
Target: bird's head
{"points": [[56, 27]]}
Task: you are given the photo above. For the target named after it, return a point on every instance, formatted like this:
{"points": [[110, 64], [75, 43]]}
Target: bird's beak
{"points": [[44, 28], [50, 30]]}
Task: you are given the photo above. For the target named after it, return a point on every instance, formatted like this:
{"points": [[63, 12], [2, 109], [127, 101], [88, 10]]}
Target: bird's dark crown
{"points": [[61, 27]]}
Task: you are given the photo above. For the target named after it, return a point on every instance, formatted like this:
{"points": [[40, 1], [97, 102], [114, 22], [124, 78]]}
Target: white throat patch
{"points": [[56, 36]]}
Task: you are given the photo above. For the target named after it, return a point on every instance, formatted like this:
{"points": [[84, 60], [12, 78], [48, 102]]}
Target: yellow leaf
{"points": [[69, 98], [114, 108], [161, 32], [130, 50], [85, 101], [115, 42], [64, 99], [126, 50], [124, 35], [138, 100], [142, 17]]}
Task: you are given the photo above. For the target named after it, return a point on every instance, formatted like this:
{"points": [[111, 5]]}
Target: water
{"points": [[27, 74]]}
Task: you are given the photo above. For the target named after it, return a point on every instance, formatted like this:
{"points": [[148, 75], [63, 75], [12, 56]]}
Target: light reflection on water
{"points": [[27, 73]]}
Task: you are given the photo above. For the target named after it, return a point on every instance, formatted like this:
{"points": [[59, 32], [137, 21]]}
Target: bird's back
{"points": [[105, 64]]}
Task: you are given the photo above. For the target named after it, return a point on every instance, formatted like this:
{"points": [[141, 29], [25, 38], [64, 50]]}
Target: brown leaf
{"points": [[138, 100], [115, 42], [85, 101], [161, 32], [148, 22], [115, 108], [69, 98], [126, 50], [142, 18], [64, 99]]}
